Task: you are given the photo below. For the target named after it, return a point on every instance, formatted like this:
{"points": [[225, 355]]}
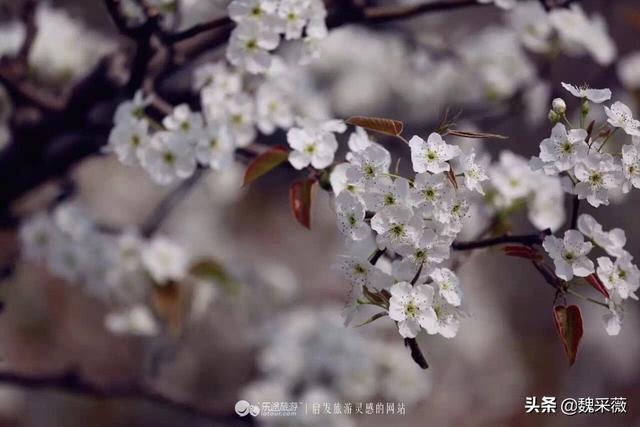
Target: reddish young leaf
{"points": [[168, 303], [377, 124], [300, 201], [522, 252], [595, 281], [264, 163], [568, 321], [452, 178]]}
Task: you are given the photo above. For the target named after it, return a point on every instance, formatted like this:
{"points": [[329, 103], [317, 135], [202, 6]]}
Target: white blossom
{"points": [[613, 319], [411, 307], [448, 317], [448, 285], [474, 173], [585, 92], [512, 177], [249, 47], [168, 157], [613, 241], [215, 147], [164, 260], [432, 155], [569, 255], [564, 149], [629, 70], [631, 165], [368, 165], [620, 116], [129, 140], [386, 194], [596, 175], [313, 145], [185, 122], [351, 213], [397, 229], [579, 33], [132, 109], [620, 276], [362, 274], [272, 109]]}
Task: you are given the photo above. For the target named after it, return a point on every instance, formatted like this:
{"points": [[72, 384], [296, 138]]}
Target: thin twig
{"points": [[526, 239], [170, 202]]}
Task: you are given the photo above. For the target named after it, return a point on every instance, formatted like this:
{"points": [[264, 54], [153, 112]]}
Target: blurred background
{"points": [[275, 333]]}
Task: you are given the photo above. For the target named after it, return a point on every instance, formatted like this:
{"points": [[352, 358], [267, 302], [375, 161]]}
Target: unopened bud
{"points": [[554, 117], [559, 106]]}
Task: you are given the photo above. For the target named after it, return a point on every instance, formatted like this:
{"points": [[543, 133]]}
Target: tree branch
{"points": [[29, 19], [170, 202], [526, 239], [380, 14], [575, 211], [71, 382], [195, 30]]}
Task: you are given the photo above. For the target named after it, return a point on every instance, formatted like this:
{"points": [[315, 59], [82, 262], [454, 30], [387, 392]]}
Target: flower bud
{"points": [[559, 106], [554, 117]]}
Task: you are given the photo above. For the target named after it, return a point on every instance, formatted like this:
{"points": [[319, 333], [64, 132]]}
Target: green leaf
{"points": [[265, 163], [300, 201], [211, 270], [568, 321], [377, 124]]}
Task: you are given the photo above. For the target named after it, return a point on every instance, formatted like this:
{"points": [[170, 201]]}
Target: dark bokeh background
{"points": [[507, 350]]}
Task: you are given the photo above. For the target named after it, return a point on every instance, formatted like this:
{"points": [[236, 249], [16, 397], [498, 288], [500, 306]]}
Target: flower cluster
{"points": [[235, 107], [173, 151], [120, 268], [413, 221], [310, 356], [261, 25], [563, 29], [577, 154], [620, 276], [513, 184]]}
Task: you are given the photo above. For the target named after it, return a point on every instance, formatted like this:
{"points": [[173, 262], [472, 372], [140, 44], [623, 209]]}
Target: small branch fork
{"points": [[71, 382]]}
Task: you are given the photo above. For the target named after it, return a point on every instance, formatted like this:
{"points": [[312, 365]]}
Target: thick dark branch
{"points": [[23, 92], [416, 353], [526, 239], [376, 15], [575, 211], [195, 30], [118, 18], [553, 4], [29, 20], [70, 382]]}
